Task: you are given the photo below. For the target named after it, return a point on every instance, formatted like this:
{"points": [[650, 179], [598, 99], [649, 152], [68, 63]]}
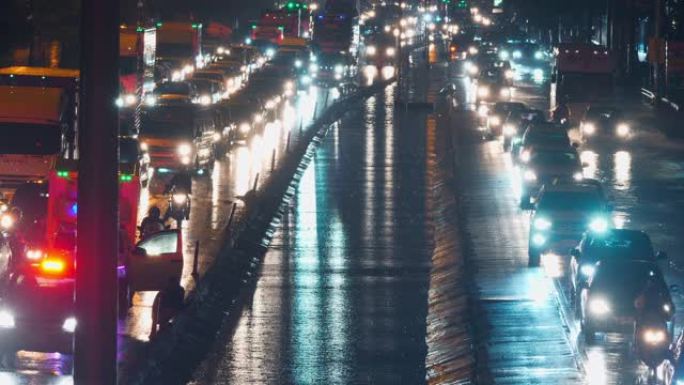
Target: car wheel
{"points": [[534, 257]]}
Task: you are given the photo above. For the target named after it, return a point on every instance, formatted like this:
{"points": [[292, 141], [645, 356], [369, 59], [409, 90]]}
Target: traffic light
{"points": [[295, 5], [462, 4]]}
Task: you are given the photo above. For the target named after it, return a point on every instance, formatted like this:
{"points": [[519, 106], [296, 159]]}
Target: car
{"points": [[515, 125], [37, 307], [499, 113], [604, 120], [135, 158], [491, 88], [210, 91], [561, 214], [171, 94], [607, 303], [540, 135], [620, 244], [544, 166]]}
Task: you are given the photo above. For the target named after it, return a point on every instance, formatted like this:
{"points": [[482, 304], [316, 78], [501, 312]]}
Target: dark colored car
{"points": [[544, 166], [609, 302], [604, 120]]}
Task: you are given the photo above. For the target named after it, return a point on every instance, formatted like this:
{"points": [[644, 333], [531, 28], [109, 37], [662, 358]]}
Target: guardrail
{"points": [[651, 97]]}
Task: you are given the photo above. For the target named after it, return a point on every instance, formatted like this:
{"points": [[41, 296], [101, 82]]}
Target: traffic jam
{"points": [[552, 110], [204, 116]]}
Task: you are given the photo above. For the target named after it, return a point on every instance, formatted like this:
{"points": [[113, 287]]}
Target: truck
{"points": [[178, 46], [137, 47], [270, 29], [38, 117], [582, 75]]}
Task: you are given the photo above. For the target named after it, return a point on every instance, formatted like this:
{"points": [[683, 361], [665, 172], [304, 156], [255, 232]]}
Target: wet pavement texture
{"points": [[342, 297]]}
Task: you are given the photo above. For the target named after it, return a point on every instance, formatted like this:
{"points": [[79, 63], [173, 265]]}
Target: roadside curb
{"points": [[215, 307]]}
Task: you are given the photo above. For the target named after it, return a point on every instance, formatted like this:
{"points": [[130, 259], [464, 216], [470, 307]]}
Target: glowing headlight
{"points": [[542, 224], [339, 69], [270, 52], [220, 50], [599, 306], [180, 199], [483, 91], [538, 239], [150, 100], [473, 50], [390, 52], [589, 128], [517, 54], [509, 74], [298, 63], [505, 93], [482, 111], [258, 118], [509, 130], [34, 254], [654, 336], [205, 100], [6, 221], [622, 130], [588, 270], [144, 146], [525, 156], [69, 325], [306, 79], [313, 67], [599, 225], [539, 55], [188, 69], [667, 308], [529, 176], [244, 128], [216, 137], [578, 176], [504, 55], [184, 149], [494, 120], [473, 70], [6, 319], [130, 99], [371, 50]]}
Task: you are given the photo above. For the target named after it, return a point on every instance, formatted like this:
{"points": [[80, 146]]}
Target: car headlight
{"points": [[509, 130], [473, 70], [244, 128], [483, 111], [599, 225], [339, 69], [494, 120], [539, 55], [509, 74], [313, 67], [69, 325], [184, 149], [542, 224], [599, 306], [538, 239], [180, 199], [34, 254], [667, 308], [144, 146], [482, 91], [504, 55], [622, 130], [588, 270], [517, 54], [654, 336], [371, 50], [6, 319], [205, 100], [530, 176], [578, 176], [589, 128], [306, 79], [6, 221], [150, 100], [391, 51], [505, 93], [298, 63], [473, 50], [525, 156]]}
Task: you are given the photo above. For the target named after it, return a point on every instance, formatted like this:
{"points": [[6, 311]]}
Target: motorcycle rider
{"points": [[152, 223]]}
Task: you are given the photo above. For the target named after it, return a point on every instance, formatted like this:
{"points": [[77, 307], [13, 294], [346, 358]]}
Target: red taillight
{"points": [[52, 266]]}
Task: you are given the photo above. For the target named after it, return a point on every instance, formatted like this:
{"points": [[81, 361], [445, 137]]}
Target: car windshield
{"points": [[128, 150], [30, 139], [570, 200], [167, 122], [554, 158], [624, 245], [203, 85], [506, 107], [548, 138], [173, 88]]}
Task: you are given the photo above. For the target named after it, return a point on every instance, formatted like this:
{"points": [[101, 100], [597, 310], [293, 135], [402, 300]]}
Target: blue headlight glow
{"points": [[538, 240], [588, 270], [599, 225], [542, 224]]}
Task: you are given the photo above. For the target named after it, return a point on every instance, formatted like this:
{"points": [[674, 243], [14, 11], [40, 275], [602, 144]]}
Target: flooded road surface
{"points": [[342, 297]]}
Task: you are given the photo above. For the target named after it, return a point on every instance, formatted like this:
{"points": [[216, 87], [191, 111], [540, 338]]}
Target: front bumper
{"points": [[36, 338], [610, 323]]}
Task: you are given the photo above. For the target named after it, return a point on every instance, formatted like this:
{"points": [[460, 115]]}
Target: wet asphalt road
{"points": [[342, 297]]}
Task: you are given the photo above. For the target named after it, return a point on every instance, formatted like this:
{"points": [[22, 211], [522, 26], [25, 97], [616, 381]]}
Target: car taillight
{"points": [[53, 266]]}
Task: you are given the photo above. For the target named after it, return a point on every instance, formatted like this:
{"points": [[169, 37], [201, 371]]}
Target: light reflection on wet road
{"points": [[342, 297]]}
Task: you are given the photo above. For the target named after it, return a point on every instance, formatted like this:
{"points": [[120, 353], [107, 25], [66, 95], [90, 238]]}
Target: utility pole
{"points": [[97, 228], [657, 25]]}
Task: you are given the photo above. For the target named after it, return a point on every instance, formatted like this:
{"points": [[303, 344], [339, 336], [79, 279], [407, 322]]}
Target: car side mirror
{"points": [[661, 256], [139, 251]]}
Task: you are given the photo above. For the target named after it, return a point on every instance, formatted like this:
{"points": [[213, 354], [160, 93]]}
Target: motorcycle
{"points": [[652, 342], [179, 206]]}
